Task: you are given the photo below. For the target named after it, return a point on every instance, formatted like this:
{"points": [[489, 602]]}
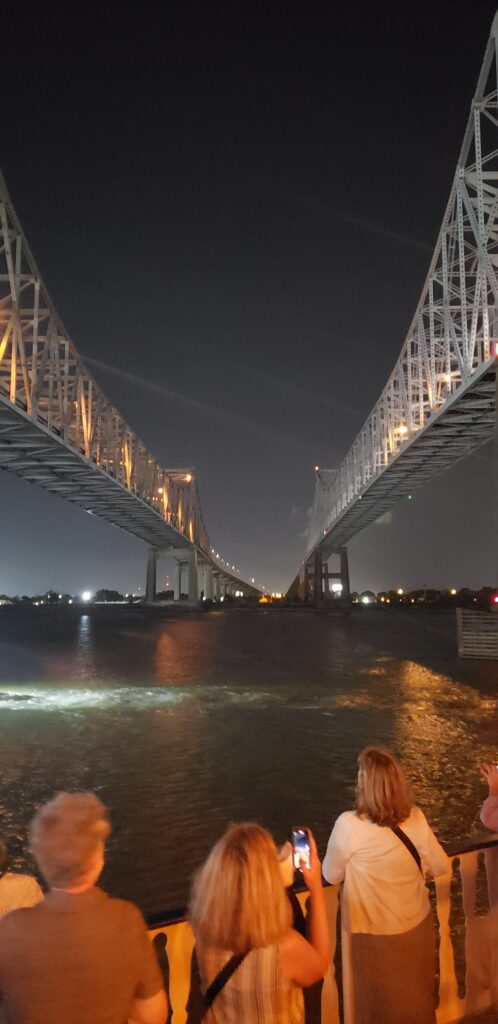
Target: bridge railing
{"points": [[466, 903]]}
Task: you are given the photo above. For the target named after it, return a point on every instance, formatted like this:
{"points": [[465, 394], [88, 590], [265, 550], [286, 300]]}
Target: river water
{"points": [[185, 722]]}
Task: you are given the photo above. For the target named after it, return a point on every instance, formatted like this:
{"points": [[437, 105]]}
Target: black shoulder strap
{"points": [[222, 978], [409, 845]]}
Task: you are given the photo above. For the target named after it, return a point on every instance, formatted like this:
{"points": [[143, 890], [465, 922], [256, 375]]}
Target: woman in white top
{"points": [[385, 903], [239, 907]]}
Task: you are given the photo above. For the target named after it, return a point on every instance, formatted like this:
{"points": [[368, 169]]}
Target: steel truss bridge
{"points": [[440, 401], [59, 430]]}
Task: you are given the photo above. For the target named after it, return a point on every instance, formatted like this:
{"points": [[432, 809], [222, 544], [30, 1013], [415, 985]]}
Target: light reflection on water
{"points": [[184, 724]]}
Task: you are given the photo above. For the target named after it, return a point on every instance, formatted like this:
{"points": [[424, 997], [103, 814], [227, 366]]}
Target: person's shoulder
{"points": [[347, 819], [19, 919], [345, 824], [125, 910], [417, 817]]}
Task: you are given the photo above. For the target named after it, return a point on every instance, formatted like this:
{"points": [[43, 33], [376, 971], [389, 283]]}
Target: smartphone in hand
{"points": [[301, 846]]}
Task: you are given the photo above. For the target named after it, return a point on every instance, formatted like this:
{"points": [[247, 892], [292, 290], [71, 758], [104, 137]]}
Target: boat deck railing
{"points": [[466, 904]]}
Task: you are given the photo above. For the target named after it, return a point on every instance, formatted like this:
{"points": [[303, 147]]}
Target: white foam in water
{"points": [[23, 697], [37, 698]]}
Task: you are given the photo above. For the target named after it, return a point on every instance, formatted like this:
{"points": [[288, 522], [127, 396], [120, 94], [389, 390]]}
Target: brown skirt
{"points": [[394, 976]]}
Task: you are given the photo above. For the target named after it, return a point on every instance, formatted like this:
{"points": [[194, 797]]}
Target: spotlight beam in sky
{"points": [[193, 403]]}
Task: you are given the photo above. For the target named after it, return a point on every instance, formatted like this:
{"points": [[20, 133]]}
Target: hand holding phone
{"points": [[490, 775], [302, 847]]}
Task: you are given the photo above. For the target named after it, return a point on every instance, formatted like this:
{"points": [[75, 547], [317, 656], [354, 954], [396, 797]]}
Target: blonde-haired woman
{"points": [[382, 851], [253, 964]]}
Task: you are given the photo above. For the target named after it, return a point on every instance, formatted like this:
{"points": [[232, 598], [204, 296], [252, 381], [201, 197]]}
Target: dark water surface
{"points": [[186, 722]]}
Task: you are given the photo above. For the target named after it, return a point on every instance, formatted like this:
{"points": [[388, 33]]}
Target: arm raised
{"points": [[306, 961]]}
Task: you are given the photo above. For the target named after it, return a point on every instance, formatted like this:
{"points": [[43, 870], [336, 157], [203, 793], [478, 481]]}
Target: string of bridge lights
{"points": [[222, 561], [234, 568]]}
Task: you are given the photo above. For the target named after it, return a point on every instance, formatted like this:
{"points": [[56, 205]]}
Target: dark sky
{"points": [[239, 202]]}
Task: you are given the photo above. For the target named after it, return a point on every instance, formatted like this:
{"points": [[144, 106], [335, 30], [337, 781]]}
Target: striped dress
{"points": [[257, 992]]}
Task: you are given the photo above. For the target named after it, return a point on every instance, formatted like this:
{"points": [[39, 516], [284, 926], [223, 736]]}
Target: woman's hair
{"points": [[65, 834], [238, 899], [382, 793]]}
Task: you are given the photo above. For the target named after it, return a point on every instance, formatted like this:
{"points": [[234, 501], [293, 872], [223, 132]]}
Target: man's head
{"points": [[67, 837]]}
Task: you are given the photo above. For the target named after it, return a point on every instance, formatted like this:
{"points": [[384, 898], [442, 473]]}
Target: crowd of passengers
{"points": [[78, 956]]}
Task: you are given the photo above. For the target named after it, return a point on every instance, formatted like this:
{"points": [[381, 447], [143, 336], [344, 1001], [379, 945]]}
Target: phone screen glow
{"points": [[302, 850]]}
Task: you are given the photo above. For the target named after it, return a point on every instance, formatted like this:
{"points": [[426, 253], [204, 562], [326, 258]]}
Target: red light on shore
{"points": [[494, 599], [495, 346], [316, 468]]}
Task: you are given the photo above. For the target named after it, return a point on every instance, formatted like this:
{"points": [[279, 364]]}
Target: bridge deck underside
{"points": [[35, 455], [455, 433]]}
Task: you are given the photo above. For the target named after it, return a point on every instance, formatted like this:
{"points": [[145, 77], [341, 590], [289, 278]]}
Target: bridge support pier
{"points": [[201, 578], [306, 582], [177, 587], [316, 576], [193, 578], [346, 590], [318, 579], [208, 583], [150, 587], [186, 565]]}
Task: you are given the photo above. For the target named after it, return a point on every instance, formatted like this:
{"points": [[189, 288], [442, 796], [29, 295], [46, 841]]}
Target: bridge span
{"points": [[440, 402], [58, 430]]}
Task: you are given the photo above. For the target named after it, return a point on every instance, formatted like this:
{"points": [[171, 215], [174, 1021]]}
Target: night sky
{"points": [[238, 203]]}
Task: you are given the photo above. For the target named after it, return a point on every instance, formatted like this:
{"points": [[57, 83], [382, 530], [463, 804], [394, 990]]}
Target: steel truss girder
{"points": [[440, 395], [42, 375], [59, 430]]}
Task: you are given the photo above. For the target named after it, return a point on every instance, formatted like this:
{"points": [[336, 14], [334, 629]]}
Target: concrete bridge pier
{"points": [[205, 573], [318, 578], [150, 586], [311, 588], [186, 576], [338, 575], [208, 583], [177, 585], [346, 589], [193, 578], [308, 581]]}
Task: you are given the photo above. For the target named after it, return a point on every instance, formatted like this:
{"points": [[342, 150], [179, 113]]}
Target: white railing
{"points": [[467, 912]]}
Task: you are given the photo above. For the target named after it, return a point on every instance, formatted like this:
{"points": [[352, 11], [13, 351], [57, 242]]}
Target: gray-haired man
{"points": [[78, 955]]}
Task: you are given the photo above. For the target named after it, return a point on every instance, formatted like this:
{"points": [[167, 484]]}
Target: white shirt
{"points": [[384, 892], [18, 891]]}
